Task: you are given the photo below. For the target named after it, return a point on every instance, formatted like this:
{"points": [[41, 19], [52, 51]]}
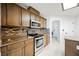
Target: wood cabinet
{"points": [[16, 52], [70, 48], [21, 48], [4, 51], [15, 46], [25, 18], [3, 14], [46, 40], [43, 22], [33, 10], [0, 14], [13, 15], [33, 16], [15, 49], [29, 48], [38, 18]]}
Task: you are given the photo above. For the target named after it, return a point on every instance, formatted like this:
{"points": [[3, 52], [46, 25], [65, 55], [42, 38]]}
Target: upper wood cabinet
{"points": [[37, 18], [13, 15], [33, 16], [0, 14], [43, 22], [25, 18], [3, 14], [33, 10]]}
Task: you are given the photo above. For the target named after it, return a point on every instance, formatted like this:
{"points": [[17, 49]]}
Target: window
{"points": [[69, 5]]}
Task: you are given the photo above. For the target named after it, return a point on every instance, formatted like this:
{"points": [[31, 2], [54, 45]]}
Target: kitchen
{"points": [[22, 30], [25, 31]]}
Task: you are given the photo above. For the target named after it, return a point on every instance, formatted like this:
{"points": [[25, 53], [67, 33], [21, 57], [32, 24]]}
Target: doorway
{"points": [[56, 30]]}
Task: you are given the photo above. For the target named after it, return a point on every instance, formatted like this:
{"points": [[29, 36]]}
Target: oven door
{"points": [[38, 43]]}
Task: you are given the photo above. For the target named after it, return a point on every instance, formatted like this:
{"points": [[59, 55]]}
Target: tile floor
{"points": [[53, 49]]}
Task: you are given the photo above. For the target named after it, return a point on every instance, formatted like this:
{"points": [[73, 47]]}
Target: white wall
{"points": [[66, 23], [77, 27]]}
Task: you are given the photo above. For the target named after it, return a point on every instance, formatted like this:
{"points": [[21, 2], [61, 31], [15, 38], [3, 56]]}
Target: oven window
{"points": [[39, 42]]}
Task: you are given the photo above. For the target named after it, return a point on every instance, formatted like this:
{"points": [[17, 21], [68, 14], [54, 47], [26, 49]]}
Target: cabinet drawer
{"points": [[29, 40], [15, 46]]}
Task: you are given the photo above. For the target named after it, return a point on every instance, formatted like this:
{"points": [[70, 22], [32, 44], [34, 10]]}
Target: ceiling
{"points": [[49, 9]]}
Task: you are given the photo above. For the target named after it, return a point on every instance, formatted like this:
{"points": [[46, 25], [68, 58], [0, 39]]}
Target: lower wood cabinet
{"points": [[22, 48], [46, 40], [15, 46], [16, 52], [29, 48], [3, 51], [70, 48]]}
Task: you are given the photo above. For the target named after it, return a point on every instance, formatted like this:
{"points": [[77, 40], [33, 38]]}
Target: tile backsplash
{"points": [[8, 34]]}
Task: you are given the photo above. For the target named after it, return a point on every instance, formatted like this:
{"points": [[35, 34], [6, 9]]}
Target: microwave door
{"points": [[35, 25]]}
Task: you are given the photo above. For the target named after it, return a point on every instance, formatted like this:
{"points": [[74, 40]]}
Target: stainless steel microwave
{"points": [[35, 24]]}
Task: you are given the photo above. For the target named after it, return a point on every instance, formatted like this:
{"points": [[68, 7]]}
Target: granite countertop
{"points": [[71, 38]]}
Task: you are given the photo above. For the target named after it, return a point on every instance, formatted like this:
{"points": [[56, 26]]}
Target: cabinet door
{"points": [[15, 46], [4, 51], [33, 17], [37, 18], [16, 52], [42, 23], [3, 14], [45, 40], [13, 15], [70, 48], [29, 48], [0, 14], [25, 18], [16, 49]]}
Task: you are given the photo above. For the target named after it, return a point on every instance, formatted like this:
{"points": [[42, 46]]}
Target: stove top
{"points": [[36, 35]]}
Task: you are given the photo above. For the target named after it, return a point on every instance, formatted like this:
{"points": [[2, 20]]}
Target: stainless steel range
{"points": [[38, 44], [38, 41]]}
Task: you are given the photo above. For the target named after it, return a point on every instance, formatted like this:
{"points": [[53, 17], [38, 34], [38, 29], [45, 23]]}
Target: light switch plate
{"points": [[77, 47]]}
